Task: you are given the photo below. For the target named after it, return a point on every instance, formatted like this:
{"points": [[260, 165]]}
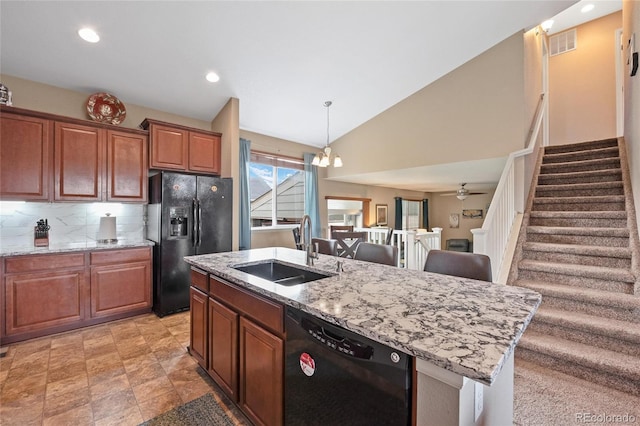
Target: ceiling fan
{"points": [[462, 192]]}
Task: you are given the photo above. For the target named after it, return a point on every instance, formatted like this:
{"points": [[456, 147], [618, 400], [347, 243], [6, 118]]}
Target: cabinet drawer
{"points": [[264, 311], [200, 280], [43, 262], [120, 256]]}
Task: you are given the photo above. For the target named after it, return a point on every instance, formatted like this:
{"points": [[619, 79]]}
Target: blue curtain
{"points": [[245, 195], [398, 221], [425, 214], [311, 206]]}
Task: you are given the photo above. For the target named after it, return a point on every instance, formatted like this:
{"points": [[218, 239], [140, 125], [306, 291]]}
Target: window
{"points": [[345, 212], [410, 214], [283, 176]]}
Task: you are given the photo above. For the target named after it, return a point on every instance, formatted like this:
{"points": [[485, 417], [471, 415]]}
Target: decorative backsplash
{"points": [[69, 222]]}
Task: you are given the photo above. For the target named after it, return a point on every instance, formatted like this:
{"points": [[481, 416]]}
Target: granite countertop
{"points": [[466, 326], [71, 247]]}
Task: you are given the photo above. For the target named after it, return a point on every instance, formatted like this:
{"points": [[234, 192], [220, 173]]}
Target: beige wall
{"points": [[582, 85], [55, 100], [326, 187], [533, 40], [227, 122], [442, 206], [474, 112], [631, 25]]}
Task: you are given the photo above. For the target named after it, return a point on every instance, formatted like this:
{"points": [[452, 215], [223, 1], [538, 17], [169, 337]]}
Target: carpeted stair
{"points": [[578, 247]]}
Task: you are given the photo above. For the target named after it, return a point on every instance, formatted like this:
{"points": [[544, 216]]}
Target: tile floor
{"points": [[120, 373]]}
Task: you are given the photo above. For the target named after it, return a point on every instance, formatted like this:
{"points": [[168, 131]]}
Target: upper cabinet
{"points": [[127, 166], [51, 158], [174, 147], [26, 148], [79, 162]]}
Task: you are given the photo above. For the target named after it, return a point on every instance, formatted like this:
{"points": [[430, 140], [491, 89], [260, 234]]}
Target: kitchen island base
{"points": [[445, 398]]}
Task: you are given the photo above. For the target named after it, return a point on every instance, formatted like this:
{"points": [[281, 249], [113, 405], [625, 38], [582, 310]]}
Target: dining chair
{"points": [[348, 242], [347, 228], [296, 238], [378, 253], [460, 264], [326, 245]]}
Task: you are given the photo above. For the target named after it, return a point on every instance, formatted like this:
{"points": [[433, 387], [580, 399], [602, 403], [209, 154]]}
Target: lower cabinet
{"points": [[42, 301], [120, 281], [261, 374], [223, 347], [245, 348], [51, 293], [198, 324]]}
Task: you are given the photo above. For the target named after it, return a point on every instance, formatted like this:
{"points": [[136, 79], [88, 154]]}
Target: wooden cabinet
{"points": [[127, 168], [25, 157], [44, 157], [261, 374], [204, 152], [246, 350], [79, 162], [223, 347], [51, 293], [44, 292], [198, 312], [120, 281], [179, 148]]}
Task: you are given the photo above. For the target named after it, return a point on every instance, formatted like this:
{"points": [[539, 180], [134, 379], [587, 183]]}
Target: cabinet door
{"points": [[261, 374], [198, 343], [169, 147], [127, 169], [79, 162], [25, 157], [117, 289], [204, 153], [40, 301], [223, 347]]}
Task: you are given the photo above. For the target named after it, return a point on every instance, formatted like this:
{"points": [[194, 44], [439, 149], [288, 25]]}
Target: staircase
{"points": [[578, 247]]}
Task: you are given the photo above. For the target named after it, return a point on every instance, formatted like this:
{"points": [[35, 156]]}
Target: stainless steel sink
{"points": [[280, 273]]}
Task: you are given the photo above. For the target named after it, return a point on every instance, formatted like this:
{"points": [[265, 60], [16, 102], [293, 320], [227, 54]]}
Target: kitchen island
{"points": [[461, 332]]}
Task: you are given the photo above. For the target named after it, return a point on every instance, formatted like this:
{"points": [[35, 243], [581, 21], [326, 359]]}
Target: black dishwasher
{"points": [[336, 377]]}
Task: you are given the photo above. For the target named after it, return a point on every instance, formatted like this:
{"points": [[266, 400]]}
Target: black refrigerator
{"points": [[187, 215]]}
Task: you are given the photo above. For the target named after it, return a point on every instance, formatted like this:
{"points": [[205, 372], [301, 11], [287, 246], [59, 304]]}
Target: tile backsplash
{"points": [[69, 222]]}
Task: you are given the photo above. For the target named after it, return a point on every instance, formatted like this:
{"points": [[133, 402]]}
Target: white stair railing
{"points": [[413, 246], [508, 200]]}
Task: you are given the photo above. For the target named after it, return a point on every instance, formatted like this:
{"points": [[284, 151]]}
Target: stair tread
{"points": [[578, 230], [604, 326], [580, 199], [618, 363], [603, 214], [602, 272], [601, 172], [581, 146], [583, 151], [577, 186], [618, 252], [591, 295], [583, 162]]}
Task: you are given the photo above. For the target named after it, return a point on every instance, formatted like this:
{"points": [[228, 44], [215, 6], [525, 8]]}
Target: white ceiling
{"points": [[281, 59]]}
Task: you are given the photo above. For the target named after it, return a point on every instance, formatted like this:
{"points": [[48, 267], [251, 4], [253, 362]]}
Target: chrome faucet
{"points": [[306, 244]]}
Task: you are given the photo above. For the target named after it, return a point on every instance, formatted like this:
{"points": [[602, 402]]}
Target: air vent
{"points": [[563, 42]]}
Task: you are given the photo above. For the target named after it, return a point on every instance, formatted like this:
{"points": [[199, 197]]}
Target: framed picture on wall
{"points": [[381, 214], [472, 213], [454, 220]]}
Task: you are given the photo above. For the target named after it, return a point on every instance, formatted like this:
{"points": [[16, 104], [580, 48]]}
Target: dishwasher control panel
{"points": [[336, 342]]}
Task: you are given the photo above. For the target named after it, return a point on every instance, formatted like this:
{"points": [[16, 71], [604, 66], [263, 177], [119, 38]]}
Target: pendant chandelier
{"points": [[323, 159]]}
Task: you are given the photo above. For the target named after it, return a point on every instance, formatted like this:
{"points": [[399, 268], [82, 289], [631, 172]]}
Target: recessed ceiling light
{"points": [[212, 77], [87, 34], [587, 8]]}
